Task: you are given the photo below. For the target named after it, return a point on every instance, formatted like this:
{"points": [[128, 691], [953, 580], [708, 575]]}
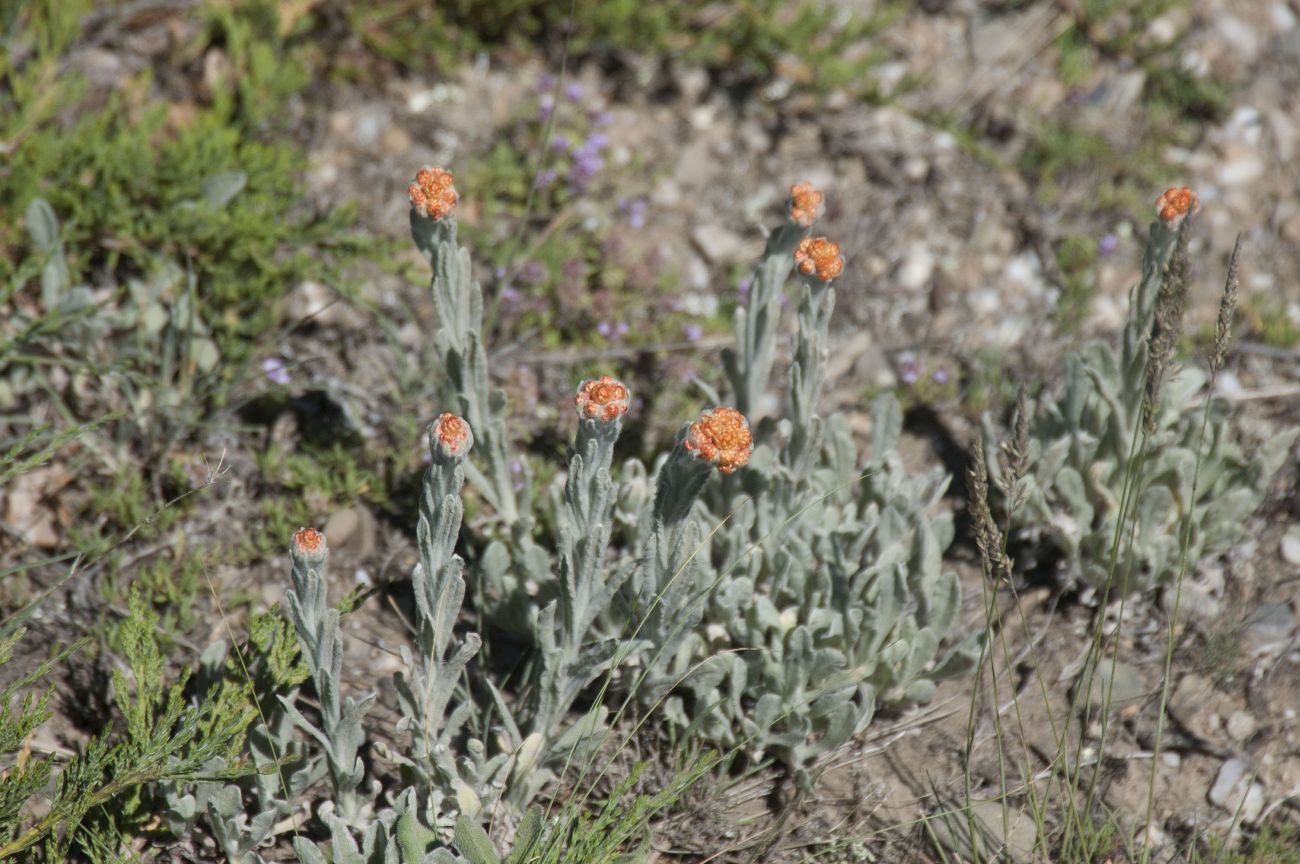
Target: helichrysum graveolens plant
{"points": [[772, 608], [1122, 442], [820, 595]]}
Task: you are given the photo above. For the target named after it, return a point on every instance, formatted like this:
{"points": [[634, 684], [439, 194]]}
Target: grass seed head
{"points": [[1167, 325], [1015, 453], [1227, 308], [988, 536]]}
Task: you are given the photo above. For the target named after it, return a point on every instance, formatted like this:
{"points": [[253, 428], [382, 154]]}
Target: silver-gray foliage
{"points": [[819, 591], [340, 733], [1081, 452], [774, 609]]}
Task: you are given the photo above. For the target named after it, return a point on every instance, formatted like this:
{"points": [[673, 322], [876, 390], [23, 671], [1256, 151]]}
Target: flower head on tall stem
{"points": [[432, 194], [1176, 204], [721, 436], [604, 398], [805, 201], [817, 255]]}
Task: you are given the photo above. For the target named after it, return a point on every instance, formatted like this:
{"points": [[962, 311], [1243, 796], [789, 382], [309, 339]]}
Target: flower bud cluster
{"points": [[817, 255], [604, 398], [1176, 204], [309, 544], [432, 194], [451, 436], [805, 201], [721, 436]]}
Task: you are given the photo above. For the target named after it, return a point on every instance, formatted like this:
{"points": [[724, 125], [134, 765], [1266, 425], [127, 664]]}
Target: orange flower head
{"points": [[432, 194], [721, 437], [820, 256], [805, 200], [451, 436], [1177, 204], [604, 398], [310, 543]]}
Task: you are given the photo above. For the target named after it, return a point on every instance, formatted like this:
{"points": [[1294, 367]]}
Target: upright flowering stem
{"points": [[568, 663], [425, 689], [340, 733], [589, 499], [664, 585], [819, 261], [458, 301], [749, 366]]}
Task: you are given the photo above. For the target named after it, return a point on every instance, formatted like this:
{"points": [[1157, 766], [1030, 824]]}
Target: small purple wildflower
{"points": [[545, 81], [603, 118], [622, 329], [605, 328], [499, 273], [545, 106], [743, 287], [573, 91], [940, 375], [545, 178], [585, 167], [694, 332], [908, 370], [533, 273], [560, 144], [1106, 245], [596, 142], [275, 372], [509, 294], [636, 213]]}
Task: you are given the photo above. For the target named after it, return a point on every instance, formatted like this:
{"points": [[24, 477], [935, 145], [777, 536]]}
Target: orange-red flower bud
{"points": [[721, 436], [604, 398], [805, 200], [820, 256], [432, 194], [309, 543], [1176, 204], [452, 436]]}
